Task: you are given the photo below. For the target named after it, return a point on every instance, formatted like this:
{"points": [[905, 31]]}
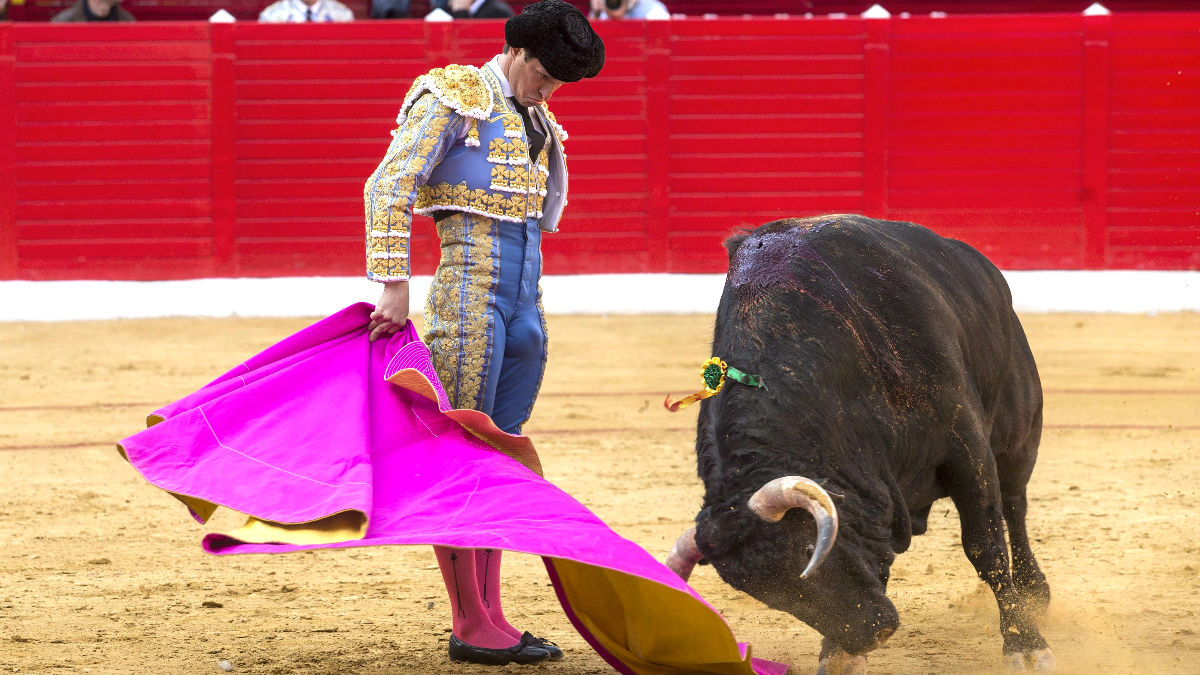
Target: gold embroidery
{"points": [[537, 184], [388, 193], [510, 178], [508, 151], [458, 316], [513, 126], [460, 88], [500, 104], [408, 135], [385, 247], [461, 198], [559, 131], [543, 174]]}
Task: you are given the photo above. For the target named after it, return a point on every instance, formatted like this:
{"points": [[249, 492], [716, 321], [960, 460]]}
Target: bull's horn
{"points": [[776, 497], [684, 555]]}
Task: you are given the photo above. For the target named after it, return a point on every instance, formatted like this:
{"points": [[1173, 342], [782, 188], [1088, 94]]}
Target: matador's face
{"points": [[530, 82]]}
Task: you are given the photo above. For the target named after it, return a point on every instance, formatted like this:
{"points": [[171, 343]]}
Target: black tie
{"points": [[536, 138], [308, 14]]}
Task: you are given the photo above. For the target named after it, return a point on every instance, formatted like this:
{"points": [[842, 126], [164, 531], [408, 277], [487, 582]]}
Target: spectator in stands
{"points": [[474, 9], [478, 150], [93, 10], [305, 11], [629, 9], [389, 9]]}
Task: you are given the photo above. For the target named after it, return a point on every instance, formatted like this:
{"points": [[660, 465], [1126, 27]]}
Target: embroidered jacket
{"points": [[460, 145]]}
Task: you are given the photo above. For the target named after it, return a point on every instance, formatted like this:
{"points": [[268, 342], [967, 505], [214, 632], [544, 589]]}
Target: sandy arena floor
{"points": [[101, 573]]}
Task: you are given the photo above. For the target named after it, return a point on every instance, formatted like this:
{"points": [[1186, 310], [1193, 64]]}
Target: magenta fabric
{"points": [[310, 427]]}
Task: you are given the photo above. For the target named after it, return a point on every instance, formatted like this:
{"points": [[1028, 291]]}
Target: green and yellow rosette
{"points": [[713, 372]]}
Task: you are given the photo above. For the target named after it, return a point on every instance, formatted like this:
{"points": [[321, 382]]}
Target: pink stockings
{"points": [[472, 579]]}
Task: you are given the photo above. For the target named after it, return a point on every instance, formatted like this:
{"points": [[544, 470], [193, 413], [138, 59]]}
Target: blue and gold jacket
{"points": [[460, 145]]}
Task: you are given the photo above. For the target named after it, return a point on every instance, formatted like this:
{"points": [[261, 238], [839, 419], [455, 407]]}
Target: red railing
{"points": [[174, 150]]}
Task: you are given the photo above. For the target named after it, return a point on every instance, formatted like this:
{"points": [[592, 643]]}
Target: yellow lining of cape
{"points": [[624, 613], [342, 526]]}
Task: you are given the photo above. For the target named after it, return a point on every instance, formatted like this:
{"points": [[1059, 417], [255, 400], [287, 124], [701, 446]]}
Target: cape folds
{"points": [[327, 439]]}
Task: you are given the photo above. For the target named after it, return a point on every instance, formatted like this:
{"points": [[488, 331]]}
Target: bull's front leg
{"points": [[973, 485]]}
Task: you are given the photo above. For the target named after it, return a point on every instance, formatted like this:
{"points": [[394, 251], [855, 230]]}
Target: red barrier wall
{"points": [[152, 151], [200, 10]]}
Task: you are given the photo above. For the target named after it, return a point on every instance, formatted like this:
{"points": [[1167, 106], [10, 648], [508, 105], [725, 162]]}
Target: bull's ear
{"points": [[734, 241]]}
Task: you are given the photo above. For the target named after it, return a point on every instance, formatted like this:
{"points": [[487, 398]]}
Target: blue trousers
{"points": [[484, 319]]}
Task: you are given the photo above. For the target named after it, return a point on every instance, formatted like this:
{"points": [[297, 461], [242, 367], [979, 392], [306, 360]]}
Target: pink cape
{"points": [[328, 440]]}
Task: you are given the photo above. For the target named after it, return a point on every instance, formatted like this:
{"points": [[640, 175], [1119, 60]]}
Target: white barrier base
{"points": [[1049, 291]]}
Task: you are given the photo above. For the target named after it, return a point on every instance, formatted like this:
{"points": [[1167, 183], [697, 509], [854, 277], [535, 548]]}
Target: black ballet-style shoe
{"points": [[521, 653], [529, 639]]}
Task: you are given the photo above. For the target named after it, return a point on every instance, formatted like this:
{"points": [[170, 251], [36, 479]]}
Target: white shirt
{"points": [[295, 11]]}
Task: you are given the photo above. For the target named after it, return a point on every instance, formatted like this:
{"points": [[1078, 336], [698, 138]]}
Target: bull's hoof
{"points": [[1042, 661], [839, 662], [1038, 661]]}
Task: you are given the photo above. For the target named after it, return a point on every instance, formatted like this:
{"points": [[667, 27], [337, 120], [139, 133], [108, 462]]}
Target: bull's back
{"points": [[912, 266], [935, 312]]}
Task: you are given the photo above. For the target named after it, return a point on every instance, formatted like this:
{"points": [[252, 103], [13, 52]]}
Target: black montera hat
{"points": [[560, 37]]}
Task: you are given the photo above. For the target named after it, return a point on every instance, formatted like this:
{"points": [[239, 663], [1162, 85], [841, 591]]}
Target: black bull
{"points": [[896, 374]]}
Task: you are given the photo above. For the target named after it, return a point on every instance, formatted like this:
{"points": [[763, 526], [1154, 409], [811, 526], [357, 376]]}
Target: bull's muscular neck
{"points": [[806, 426]]}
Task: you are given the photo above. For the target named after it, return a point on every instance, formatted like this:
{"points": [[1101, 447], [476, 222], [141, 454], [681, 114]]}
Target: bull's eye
{"points": [[809, 548], [742, 461]]}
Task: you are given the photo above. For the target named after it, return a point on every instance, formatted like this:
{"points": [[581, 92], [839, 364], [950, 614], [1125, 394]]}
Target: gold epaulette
{"points": [[460, 88]]}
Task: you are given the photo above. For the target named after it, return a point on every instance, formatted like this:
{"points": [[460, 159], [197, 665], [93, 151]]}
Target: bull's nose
{"points": [[882, 636]]}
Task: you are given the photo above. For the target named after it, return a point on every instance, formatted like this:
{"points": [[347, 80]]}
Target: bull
{"points": [[891, 371]]}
